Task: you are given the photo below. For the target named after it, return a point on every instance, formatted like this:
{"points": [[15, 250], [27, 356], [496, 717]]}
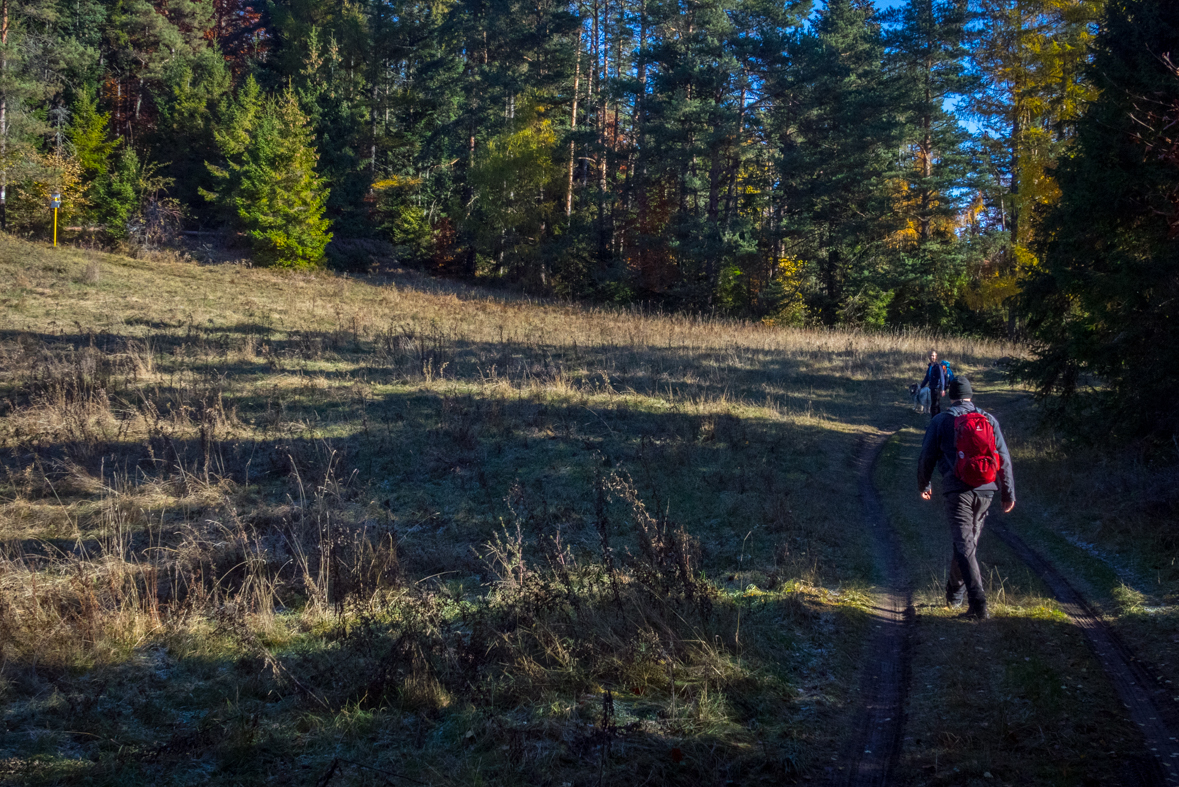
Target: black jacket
{"points": [[935, 378], [938, 449]]}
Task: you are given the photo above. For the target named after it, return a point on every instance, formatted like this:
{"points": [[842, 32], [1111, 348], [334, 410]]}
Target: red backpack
{"points": [[974, 442]]}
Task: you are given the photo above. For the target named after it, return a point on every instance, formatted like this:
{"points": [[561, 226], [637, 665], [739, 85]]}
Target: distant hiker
{"points": [[967, 446], [937, 380]]}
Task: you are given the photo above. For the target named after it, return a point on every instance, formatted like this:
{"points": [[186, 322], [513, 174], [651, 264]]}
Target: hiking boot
{"points": [[955, 600], [977, 611]]}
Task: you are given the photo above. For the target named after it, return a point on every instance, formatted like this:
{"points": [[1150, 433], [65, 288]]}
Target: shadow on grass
{"points": [[709, 679], [447, 699], [1019, 697], [443, 466], [400, 354]]}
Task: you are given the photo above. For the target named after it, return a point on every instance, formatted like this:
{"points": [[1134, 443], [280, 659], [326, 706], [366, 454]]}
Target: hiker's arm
{"points": [[930, 451], [1006, 473]]}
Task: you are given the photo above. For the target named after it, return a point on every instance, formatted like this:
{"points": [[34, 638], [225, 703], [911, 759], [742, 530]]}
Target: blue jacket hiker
{"points": [[937, 379], [966, 506]]}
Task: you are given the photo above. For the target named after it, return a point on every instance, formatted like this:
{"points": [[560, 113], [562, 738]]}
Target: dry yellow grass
{"points": [[324, 511]]}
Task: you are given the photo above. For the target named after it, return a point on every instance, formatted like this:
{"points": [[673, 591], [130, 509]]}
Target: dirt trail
{"points": [[1147, 700], [874, 746], [875, 741]]}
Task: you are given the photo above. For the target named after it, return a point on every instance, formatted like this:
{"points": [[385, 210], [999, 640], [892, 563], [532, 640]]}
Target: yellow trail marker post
{"points": [[55, 203]]}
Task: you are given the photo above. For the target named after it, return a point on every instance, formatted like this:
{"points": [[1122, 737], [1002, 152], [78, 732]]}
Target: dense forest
{"points": [[988, 166]]}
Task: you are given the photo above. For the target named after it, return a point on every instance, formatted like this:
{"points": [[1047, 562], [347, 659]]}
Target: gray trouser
{"points": [[965, 511]]}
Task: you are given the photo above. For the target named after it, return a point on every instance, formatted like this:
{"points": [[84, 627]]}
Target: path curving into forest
{"points": [[872, 751]]}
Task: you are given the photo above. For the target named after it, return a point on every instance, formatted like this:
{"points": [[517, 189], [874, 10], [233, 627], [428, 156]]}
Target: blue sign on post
{"points": [[55, 203]]}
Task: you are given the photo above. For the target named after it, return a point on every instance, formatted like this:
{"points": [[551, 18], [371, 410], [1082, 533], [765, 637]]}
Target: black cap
{"points": [[960, 388]]}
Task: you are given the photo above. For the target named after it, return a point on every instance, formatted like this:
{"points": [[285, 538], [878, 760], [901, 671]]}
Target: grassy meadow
{"points": [[304, 528]]}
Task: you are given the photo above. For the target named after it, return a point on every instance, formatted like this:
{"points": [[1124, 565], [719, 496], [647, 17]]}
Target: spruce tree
{"points": [[90, 138], [93, 147], [117, 194], [280, 197], [183, 139], [237, 118], [1104, 302], [838, 159]]}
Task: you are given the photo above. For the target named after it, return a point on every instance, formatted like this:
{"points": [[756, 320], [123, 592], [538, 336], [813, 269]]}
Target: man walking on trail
{"points": [[937, 379], [967, 446]]}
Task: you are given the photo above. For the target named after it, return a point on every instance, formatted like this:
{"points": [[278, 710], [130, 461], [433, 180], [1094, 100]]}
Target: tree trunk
{"points": [[639, 123], [925, 219], [119, 117], [714, 178], [831, 282], [469, 196], [138, 103], [1016, 133], [373, 118], [600, 34], [590, 74], [573, 127], [735, 162]]}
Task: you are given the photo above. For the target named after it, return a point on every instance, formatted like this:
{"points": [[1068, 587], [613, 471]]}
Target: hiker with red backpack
{"points": [[937, 379], [967, 446]]}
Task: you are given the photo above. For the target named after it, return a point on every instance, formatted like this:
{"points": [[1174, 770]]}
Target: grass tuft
{"points": [[291, 526]]}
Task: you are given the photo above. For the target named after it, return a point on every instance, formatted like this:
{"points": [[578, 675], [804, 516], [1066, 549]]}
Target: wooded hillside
{"points": [[798, 163]]}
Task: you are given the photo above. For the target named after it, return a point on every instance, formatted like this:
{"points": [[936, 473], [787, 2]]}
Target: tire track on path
{"points": [[875, 742], [870, 756], [1150, 705]]}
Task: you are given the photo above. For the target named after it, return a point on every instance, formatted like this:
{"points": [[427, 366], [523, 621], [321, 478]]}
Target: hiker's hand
{"points": [[1008, 506], [927, 494], [943, 393]]}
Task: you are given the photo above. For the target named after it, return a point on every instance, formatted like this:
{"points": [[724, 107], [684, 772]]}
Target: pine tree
{"points": [[143, 38], [927, 54], [280, 198], [839, 139], [26, 81], [698, 199]]}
